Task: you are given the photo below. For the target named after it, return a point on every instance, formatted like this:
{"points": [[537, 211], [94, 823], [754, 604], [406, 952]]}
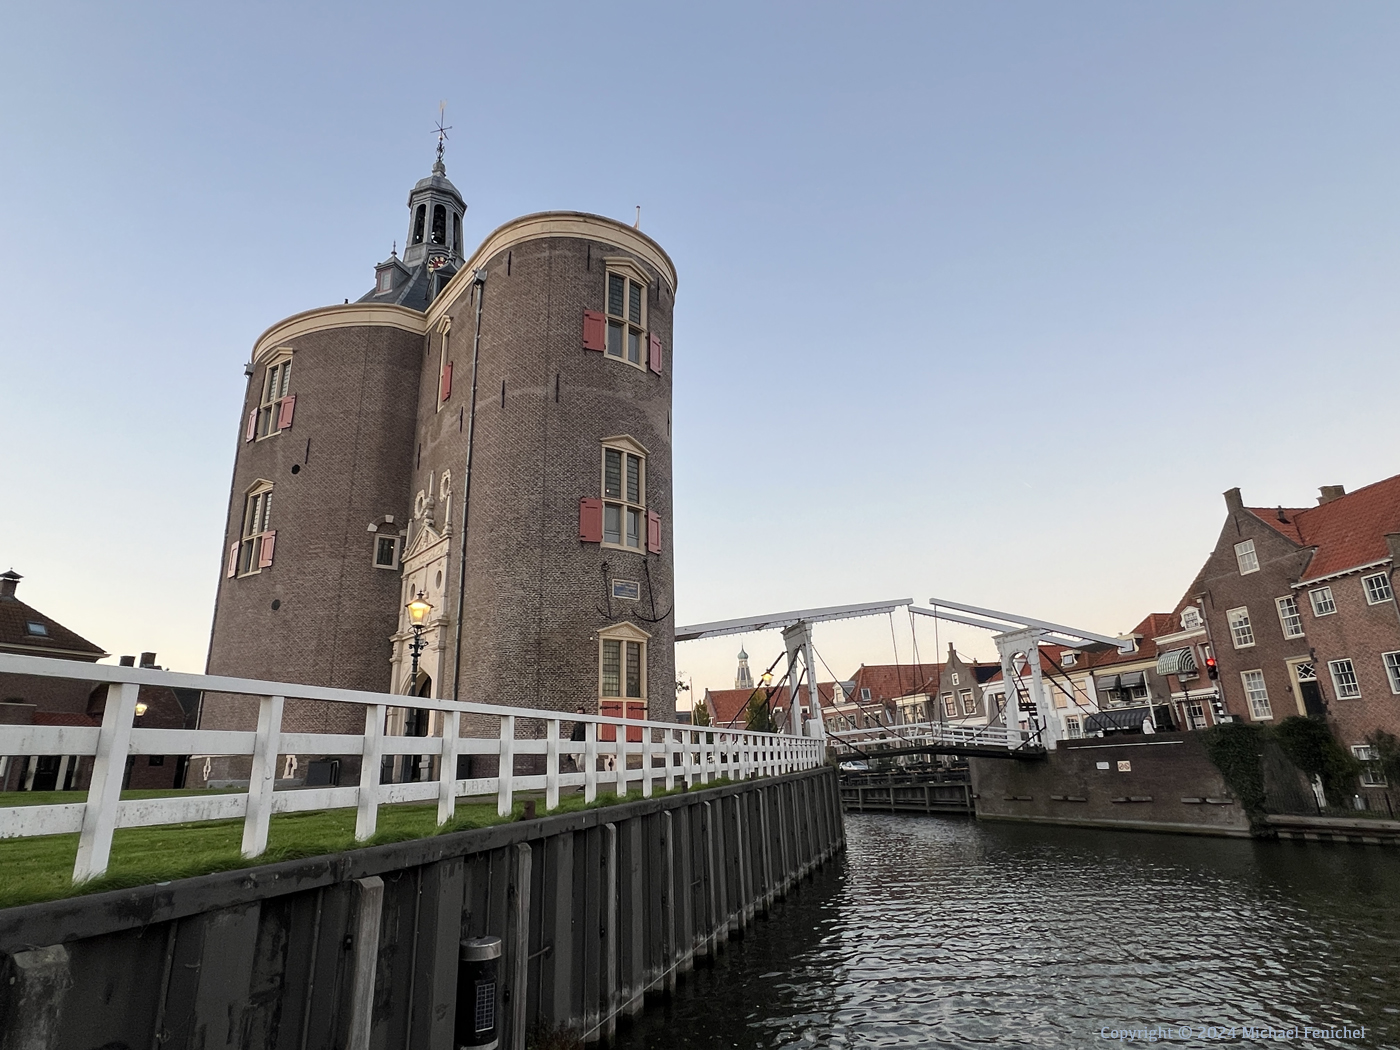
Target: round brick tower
{"points": [[493, 432]]}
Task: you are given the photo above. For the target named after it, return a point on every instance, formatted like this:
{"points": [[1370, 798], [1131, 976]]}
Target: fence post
{"points": [[590, 761], [648, 741], [670, 742], [108, 772], [505, 768], [367, 810], [551, 765], [263, 779], [447, 768], [620, 756]]}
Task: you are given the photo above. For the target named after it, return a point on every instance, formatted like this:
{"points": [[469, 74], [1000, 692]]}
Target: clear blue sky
{"points": [[989, 301]]}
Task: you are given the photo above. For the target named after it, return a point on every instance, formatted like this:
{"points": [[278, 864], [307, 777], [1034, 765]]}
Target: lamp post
{"points": [[418, 610]]}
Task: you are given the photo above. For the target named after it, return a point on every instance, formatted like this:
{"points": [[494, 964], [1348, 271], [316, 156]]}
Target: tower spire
{"points": [[438, 167]]}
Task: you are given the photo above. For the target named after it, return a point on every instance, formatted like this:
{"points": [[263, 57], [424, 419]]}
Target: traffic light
{"points": [[1212, 671]]}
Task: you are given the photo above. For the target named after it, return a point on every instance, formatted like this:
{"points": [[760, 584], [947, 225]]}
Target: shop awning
{"points": [[1132, 679], [1177, 661], [1106, 682], [1124, 718]]}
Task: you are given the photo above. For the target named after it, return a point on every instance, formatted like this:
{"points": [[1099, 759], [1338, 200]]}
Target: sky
{"points": [[986, 302]]}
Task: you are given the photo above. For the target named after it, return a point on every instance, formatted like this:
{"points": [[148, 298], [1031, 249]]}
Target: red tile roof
{"points": [[727, 705], [1348, 532], [888, 681]]}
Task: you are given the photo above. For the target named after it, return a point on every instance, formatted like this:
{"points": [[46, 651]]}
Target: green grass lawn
{"points": [[41, 868]]}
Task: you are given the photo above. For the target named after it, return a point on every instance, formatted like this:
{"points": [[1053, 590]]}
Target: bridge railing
{"points": [[664, 752], [915, 734]]}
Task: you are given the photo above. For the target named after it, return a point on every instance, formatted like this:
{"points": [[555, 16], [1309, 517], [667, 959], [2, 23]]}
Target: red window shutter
{"points": [[284, 414], [590, 520], [269, 542], [595, 330], [654, 356], [653, 532], [231, 570], [446, 391], [251, 431]]}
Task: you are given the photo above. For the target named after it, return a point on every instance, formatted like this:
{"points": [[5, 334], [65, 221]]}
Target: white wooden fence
{"points": [[668, 753]]}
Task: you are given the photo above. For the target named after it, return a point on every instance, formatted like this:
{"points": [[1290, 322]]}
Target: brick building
{"points": [[1300, 611], [492, 432]]}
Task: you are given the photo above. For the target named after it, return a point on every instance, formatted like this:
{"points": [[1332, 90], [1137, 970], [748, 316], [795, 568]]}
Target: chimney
{"points": [[1233, 500], [127, 661], [1282, 516], [8, 582], [148, 659], [1331, 492]]}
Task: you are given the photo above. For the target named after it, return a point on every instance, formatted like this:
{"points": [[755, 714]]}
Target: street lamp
{"points": [[418, 610]]}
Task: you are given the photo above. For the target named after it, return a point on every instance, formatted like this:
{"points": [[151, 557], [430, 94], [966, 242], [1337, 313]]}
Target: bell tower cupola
{"points": [[435, 212]]}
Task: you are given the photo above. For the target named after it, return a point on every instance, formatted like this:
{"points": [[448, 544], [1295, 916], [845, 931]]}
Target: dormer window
{"points": [[36, 628], [1067, 658], [385, 282]]}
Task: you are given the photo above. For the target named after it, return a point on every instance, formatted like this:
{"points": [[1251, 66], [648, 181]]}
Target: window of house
{"points": [[1371, 775], [1241, 633], [1344, 679], [34, 627], [1067, 659], [271, 417], [1196, 712], [255, 547], [1073, 729], [624, 498], [950, 706], [386, 552], [1305, 671], [1322, 603], [865, 694], [1392, 670], [386, 280], [1190, 618], [622, 668], [1377, 588], [626, 303], [1257, 694], [1288, 616], [969, 706], [955, 677], [1245, 556]]}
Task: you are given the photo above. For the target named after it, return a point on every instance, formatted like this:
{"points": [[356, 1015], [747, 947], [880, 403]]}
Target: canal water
{"points": [[943, 932]]}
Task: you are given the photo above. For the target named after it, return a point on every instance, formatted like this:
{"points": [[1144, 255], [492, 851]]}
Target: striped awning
{"points": [[1132, 679], [1177, 661], [1123, 719]]}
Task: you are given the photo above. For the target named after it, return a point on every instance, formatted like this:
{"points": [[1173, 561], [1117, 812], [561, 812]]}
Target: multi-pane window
{"points": [[1377, 588], [1196, 712], [1245, 556], [275, 385], [626, 301], [1322, 603], [257, 518], [1288, 617], [1257, 694], [950, 706], [969, 706], [386, 552], [1241, 633], [624, 498], [1392, 670], [1073, 729], [622, 668], [1344, 679]]}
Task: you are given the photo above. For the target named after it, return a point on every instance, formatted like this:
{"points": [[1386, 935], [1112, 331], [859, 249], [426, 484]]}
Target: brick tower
{"points": [[493, 432]]}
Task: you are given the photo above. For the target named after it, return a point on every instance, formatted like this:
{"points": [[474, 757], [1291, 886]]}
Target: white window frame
{"points": [[865, 694], [623, 634], [1246, 558], [967, 701], [257, 503], [626, 510], [1381, 592], [1287, 620], [1322, 601], [1256, 692], [1241, 630], [950, 705], [1342, 670], [625, 324], [1391, 663], [276, 385], [398, 552], [955, 678]]}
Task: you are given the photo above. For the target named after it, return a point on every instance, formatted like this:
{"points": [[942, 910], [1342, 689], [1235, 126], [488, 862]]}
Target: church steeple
{"points": [[742, 678]]}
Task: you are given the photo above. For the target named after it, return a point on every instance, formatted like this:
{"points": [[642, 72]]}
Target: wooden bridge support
{"points": [[595, 911]]}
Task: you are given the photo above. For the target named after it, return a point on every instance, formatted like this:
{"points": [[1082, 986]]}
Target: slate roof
{"points": [[1348, 531], [15, 636]]}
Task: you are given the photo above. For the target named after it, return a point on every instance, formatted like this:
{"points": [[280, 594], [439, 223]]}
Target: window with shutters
{"points": [[276, 404], [624, 495], [254, 549], [626, 311], [1241, 632]]}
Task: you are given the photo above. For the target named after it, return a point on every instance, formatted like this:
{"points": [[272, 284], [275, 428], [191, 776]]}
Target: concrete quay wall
{"points": [[359, 950], [1157, 782]]}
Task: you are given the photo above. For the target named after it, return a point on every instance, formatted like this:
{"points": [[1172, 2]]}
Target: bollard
{"points": [[478, 989]]}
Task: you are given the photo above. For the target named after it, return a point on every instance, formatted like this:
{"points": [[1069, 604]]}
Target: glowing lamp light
{"points": [[418, 610], [766, 678], [141, 708]]}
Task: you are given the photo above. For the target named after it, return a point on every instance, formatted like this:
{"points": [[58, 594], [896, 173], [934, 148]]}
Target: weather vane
{"points": [[441, 130]]}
